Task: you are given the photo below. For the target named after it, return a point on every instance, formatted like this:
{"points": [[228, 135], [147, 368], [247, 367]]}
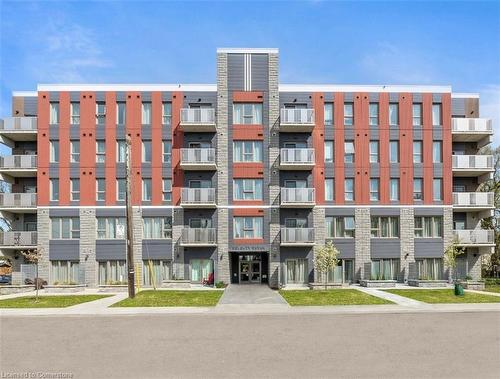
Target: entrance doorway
{"points": [[249, 268], [250, 271]]}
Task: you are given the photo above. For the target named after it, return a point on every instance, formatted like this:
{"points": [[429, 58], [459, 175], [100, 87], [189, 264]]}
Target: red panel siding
{"points": [[427, 147], [447, 149], [248, 133], [156, 149], [64, 152], [361, 143], [43, 149], [87, 147], [406, 147], [248, 170], [318, 141], [384, 148], [110, 133], [338, 122], [177, 142], [248, 97], [134, 128]]}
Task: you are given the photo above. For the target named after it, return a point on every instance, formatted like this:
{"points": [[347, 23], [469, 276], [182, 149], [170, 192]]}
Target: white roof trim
{"points": [[362, 88], [127, 87], [464, 95], [25, 93], [245, 50]]}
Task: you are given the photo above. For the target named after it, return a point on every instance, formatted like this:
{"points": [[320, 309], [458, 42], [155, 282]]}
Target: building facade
{"points": [[243, 178]]}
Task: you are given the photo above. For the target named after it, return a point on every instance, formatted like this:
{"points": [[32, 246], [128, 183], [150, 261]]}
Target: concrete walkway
{"points": [[399, 300], [250, 294]]}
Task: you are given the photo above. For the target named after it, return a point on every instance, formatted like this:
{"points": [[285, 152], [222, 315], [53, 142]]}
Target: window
{"points": [[146, 113], [54, 189], [349, 189], [100, 113], [374, 157], [247, 151], [112, 272], [100, 186], [374, 189], [167, 113], [384, 227], [54, 113], [417, 114], [167, 189], [436, 114], [394, 151], [329, 189], [248, 227], [247, 113], [64, 272], [155, 271], [121, 151], [430, 268], [156, 227], [121, 113], [65, 227], [201, 269], [349, 152], [417, 188], [393, 114], [75, 151], [329, 114], [111, 227], [394, 189], [437, 189], [348, 114], [74, 113], [247, 189], [296, 271], [100, 151], [75, 189], [200, 223], [167, 151], [340, 227], [296, 222], [429, 226], [54, 151], [437, 152], [328, 151], [373, 109], [146, 190], [417, 151], [121, 189], [384, 269], [146, 151]]}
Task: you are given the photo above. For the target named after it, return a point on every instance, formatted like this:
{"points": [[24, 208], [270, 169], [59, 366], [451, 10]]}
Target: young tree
{"points": [[450, 257], [34, 256], [326, 259]]}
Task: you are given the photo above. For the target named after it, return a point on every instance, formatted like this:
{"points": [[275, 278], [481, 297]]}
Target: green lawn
{"points": [[331, 297], [492, 288], [56, 301], [436, 296], [151, 298]]}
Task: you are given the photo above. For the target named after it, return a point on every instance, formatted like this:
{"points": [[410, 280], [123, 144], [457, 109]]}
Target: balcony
{"points": [[476, 237], [473, 200], [198, 159], [198, 198], [297, 159], [296, 120], [18, 165], [199, 237], [472, 165], [18, 202], [198, 119], [471, 129], [297, 236], [298, 197], [18, 240], [18, 128]]}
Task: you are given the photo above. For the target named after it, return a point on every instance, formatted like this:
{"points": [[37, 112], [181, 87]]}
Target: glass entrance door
{"points": [[250, 272]]}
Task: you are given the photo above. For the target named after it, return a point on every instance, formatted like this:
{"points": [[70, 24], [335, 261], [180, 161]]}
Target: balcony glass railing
{"points": [[12, 238], [18, 161], [297, 235], [472, 125], [198, 116], [17, 200], [297, 116], [473, 237], [473, 199], [199, 236], [297, 195], [19, 123], [198, 156], [297, 156], [198, 196], [472, 162]]}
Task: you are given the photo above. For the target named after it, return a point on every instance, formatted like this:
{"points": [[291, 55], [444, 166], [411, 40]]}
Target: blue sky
{"points": [[456, 43]]}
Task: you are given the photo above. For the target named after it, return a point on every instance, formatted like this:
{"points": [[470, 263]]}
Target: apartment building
{"points": [[243, 178]]}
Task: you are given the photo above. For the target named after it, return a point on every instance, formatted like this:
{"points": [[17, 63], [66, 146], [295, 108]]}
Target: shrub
{"points": [[220, 284]]}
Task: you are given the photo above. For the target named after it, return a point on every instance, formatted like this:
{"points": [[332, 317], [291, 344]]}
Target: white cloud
{"points": [[489, 107]]}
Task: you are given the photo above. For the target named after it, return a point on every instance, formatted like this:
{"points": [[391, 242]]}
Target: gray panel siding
{"points": [[67, 212], [385, 248], [428, 211], [30, 106], [64, 250], [110, 250], [346, 246], [385, 212], [429, 247], [157, 249], [110, 212]]}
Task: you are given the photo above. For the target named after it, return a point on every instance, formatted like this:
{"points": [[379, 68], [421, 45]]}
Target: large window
{"points": [[329, 151], [430, 269], [147, 190], [111, 227], [417, 114], [247, 151], [100, 151], [156, 227], [247, 189], [167, 189], [65, 272], [146, 151], [428, 226], [349, 189], [394, 189], [167, 151], [417, 189], [374, 189], [155, 271], [394, 151], [374, 152], [340, 227], [75, 189], [121, 189], [121, 151], [329, 189], [247, 113], [65, 227], [146, 113], [75, 113], [349, 152], [54, 151], [100, 189], [54, 113], [328, 114], [75, 151], [373, 110], [385, 269], [348, 114], [437, 189], [201, 269], [112, 272], [384, 227], [394, 114], [437, 152], [296, 271], [167, 113], [54, 189], [248, 227], [121, 113], [436, 114], [100, 113], [417, 151]]}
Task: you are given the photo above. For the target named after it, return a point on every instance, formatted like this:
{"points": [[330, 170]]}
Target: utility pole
{"points": [[130, 230]]}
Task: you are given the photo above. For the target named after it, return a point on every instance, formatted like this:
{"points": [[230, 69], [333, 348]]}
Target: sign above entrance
{"points": [[239, 248]]}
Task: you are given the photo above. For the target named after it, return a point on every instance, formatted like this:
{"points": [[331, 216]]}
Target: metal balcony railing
{"points": [[198, 196], [12, 238], [198, 156], [297, 195], [19, 123], [199, 236], [473, 162], [297, 235], [297, 116], [472, 125], [17, 200], [473, 237], [473, 199], [297, 156], [198, 116]]}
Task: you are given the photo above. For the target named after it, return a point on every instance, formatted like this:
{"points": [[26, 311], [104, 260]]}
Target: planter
{"points": [[10, 289], [321, 286], [427, 283], [176, 284], [377, 283], [113, 288], [473, 285], [65, 288]]}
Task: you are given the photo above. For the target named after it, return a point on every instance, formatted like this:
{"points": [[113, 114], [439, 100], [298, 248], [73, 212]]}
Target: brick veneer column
{"points": [[178, 250], [137, 232], [447, 232], [319, 225], [362, 249], [43, 236], [407, 225], [87, 246]]}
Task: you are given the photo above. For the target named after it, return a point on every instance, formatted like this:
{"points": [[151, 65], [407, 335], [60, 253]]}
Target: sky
{"points": [[397, 42]]}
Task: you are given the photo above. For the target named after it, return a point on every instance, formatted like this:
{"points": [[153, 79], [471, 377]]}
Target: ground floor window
{"points": [[155, 271], [112, 272], [385, 269], [430, 269], [65, 272], [296, 271], [201, 269], [344, 272]]}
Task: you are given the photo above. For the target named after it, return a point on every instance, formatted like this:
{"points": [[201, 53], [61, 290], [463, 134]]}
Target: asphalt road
{"points": [[438, 345]]}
